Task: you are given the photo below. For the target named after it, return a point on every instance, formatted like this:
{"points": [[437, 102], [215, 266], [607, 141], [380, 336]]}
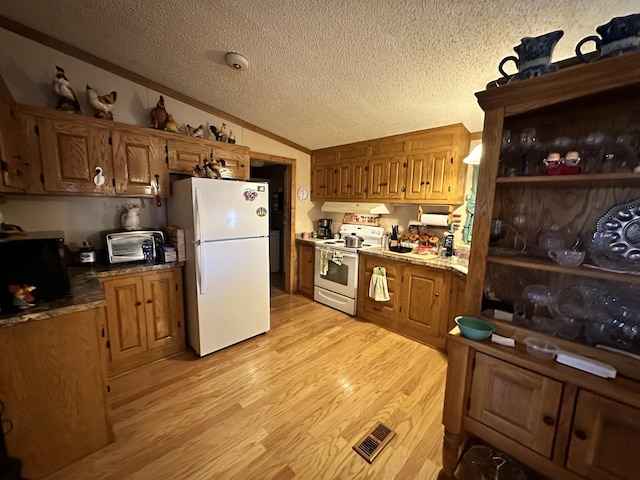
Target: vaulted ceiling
{"points": [[321, 72]]}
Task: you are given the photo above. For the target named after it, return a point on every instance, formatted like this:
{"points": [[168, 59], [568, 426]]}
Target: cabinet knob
{"points": [[548, 420], [580, 434], [149, 301], [437, 294], [138, 304]]}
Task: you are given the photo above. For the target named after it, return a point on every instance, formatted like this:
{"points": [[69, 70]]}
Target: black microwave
{"points": [[36, 259]]}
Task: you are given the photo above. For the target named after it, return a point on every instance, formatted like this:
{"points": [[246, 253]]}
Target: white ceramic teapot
{"points": [[130, 219]]}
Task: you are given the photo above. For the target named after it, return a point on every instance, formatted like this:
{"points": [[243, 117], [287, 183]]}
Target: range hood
{"points": [[357, 207]]}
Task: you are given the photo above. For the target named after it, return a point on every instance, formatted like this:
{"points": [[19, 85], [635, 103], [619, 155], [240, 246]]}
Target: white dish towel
{"points": [[324, 262], [378, 289]]}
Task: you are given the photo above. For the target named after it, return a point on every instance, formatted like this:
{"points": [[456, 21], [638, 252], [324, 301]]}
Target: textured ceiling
{"points": [[321, 72]]}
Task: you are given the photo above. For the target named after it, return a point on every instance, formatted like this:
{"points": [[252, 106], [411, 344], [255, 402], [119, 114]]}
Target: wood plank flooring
{"points": [[286, 405]]}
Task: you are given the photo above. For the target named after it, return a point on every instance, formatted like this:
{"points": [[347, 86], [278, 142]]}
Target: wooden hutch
{"points": [[562, 422]]}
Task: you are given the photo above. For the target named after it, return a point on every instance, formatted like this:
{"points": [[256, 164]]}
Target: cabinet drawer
{"points": [[604, 439], [515, 402]]}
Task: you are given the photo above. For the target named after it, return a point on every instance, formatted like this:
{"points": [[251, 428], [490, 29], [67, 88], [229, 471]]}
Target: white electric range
{"points": [[336, 267]]}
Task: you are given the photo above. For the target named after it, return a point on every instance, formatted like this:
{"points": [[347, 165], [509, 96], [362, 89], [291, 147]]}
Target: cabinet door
{"points": [[139, 163], [386, 313], [386, 178], [351, 180], [71, 152], [428, 176], [163, 320], [12, 155], [306, 259], [236, 158], [423, 304], [515, 402], [126, 317], [605, 439], [184, 155], [323, 182], [359, 179], [456, 298]]}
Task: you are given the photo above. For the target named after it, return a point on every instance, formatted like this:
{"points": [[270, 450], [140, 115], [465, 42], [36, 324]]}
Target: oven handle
{"points": [[344, 254]]}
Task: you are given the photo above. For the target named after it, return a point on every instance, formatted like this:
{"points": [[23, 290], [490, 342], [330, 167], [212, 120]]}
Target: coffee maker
{"points": [[324, 228]]}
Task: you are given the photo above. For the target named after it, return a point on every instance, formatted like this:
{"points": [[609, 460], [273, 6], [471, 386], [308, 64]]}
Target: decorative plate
{"points": [[303, 193], [616, 242]]}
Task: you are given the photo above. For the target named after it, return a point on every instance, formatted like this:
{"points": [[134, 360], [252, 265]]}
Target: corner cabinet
{"points": [[560, 421], [418, 167], [145, 317]]}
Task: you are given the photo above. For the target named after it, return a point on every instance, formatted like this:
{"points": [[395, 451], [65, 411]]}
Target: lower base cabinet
{"points": [[145, 317], [419, 305], [53, 386], [306, 263], [561, 422]]}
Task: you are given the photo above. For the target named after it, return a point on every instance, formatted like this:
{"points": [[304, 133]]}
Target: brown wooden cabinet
{"points": [[604, 439], [306, 265], [418, 305], [236, 158], [417, 167], [519, 404], [53, 387], [71, 152], [139, 161], [456, 297], [145, 317], [575, 425], [13, 161], [185, 153]]}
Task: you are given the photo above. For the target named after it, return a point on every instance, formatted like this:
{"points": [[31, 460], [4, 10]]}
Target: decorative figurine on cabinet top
{"points": [[159, 115], [103, 104], [534, 56], [209, 170], [219, 134], [67, 100], [195, 131], [171, 125], [620, 35], [232, 137]]}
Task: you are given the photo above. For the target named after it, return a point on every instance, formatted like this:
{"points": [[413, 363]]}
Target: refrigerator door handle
{"points": [[200, 267], [198, 220]]}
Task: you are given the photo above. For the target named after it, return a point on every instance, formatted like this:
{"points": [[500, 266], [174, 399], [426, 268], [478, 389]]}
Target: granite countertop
{"points": [[444, 263], [85, 292]]}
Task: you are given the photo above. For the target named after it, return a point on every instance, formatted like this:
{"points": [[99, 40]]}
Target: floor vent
{"points": [[370, 446]]}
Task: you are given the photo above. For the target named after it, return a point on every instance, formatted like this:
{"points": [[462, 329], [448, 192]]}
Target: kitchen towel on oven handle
{"points": [[324, 261], [336, 257], [378, 289]]}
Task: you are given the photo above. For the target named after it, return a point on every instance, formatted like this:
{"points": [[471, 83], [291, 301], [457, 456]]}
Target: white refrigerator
{"points": [[226, 273]]}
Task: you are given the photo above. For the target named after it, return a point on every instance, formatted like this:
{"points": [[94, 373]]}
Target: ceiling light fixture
{"points": [[237, 61]]}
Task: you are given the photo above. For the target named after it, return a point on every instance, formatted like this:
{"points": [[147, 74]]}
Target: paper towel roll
{"points": [[437, 220]]}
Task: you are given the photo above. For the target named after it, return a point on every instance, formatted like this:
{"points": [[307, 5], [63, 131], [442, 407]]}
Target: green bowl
{"points": [[474, 328]]}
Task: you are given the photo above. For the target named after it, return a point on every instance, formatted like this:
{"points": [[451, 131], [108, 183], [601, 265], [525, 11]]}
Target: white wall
{"points": [[28, 68]]}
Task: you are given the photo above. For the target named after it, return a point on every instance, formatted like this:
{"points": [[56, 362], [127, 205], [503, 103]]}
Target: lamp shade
{"points": [[474, 157]]}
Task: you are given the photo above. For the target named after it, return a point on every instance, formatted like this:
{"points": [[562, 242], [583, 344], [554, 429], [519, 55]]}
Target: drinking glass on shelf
{"points": [[497, 232]]}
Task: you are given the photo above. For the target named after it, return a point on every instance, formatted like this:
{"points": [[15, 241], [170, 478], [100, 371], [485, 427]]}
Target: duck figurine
{"points": [[102, 104], [67, 100]]}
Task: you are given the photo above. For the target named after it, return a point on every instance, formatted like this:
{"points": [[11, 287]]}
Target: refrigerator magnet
{"points": [[261, 211], [250, 194]]}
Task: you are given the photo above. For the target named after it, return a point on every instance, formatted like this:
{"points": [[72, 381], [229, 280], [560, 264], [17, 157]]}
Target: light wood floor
{"points": [[286, 405]]}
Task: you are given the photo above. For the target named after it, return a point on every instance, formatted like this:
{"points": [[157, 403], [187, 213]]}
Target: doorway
{"points": [[279, 172]]}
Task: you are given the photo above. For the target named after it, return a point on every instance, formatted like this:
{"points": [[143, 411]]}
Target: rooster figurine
{"points": [[67, 100], [103, 104], [159, 115]]}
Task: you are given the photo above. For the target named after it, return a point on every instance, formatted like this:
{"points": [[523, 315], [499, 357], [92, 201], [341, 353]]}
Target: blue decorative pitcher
{"points": [[534, 56], [621, 34]]}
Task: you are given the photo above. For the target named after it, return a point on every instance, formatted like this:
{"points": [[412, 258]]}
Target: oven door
{"points": [[336, 271]]}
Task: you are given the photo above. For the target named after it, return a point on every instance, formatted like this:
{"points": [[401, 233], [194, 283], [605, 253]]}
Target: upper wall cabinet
{"points": [[12, 158], [139, 161], [417, 167], [187, 152]]}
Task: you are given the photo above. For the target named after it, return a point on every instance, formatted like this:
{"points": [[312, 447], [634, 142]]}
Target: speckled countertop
{"points": [[85, 293], [445, 263]]}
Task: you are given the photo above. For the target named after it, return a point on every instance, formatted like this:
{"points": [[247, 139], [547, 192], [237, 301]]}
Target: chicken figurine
{"points": [[171, 125], [103, 104], [67, 100], [159, 115]]}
